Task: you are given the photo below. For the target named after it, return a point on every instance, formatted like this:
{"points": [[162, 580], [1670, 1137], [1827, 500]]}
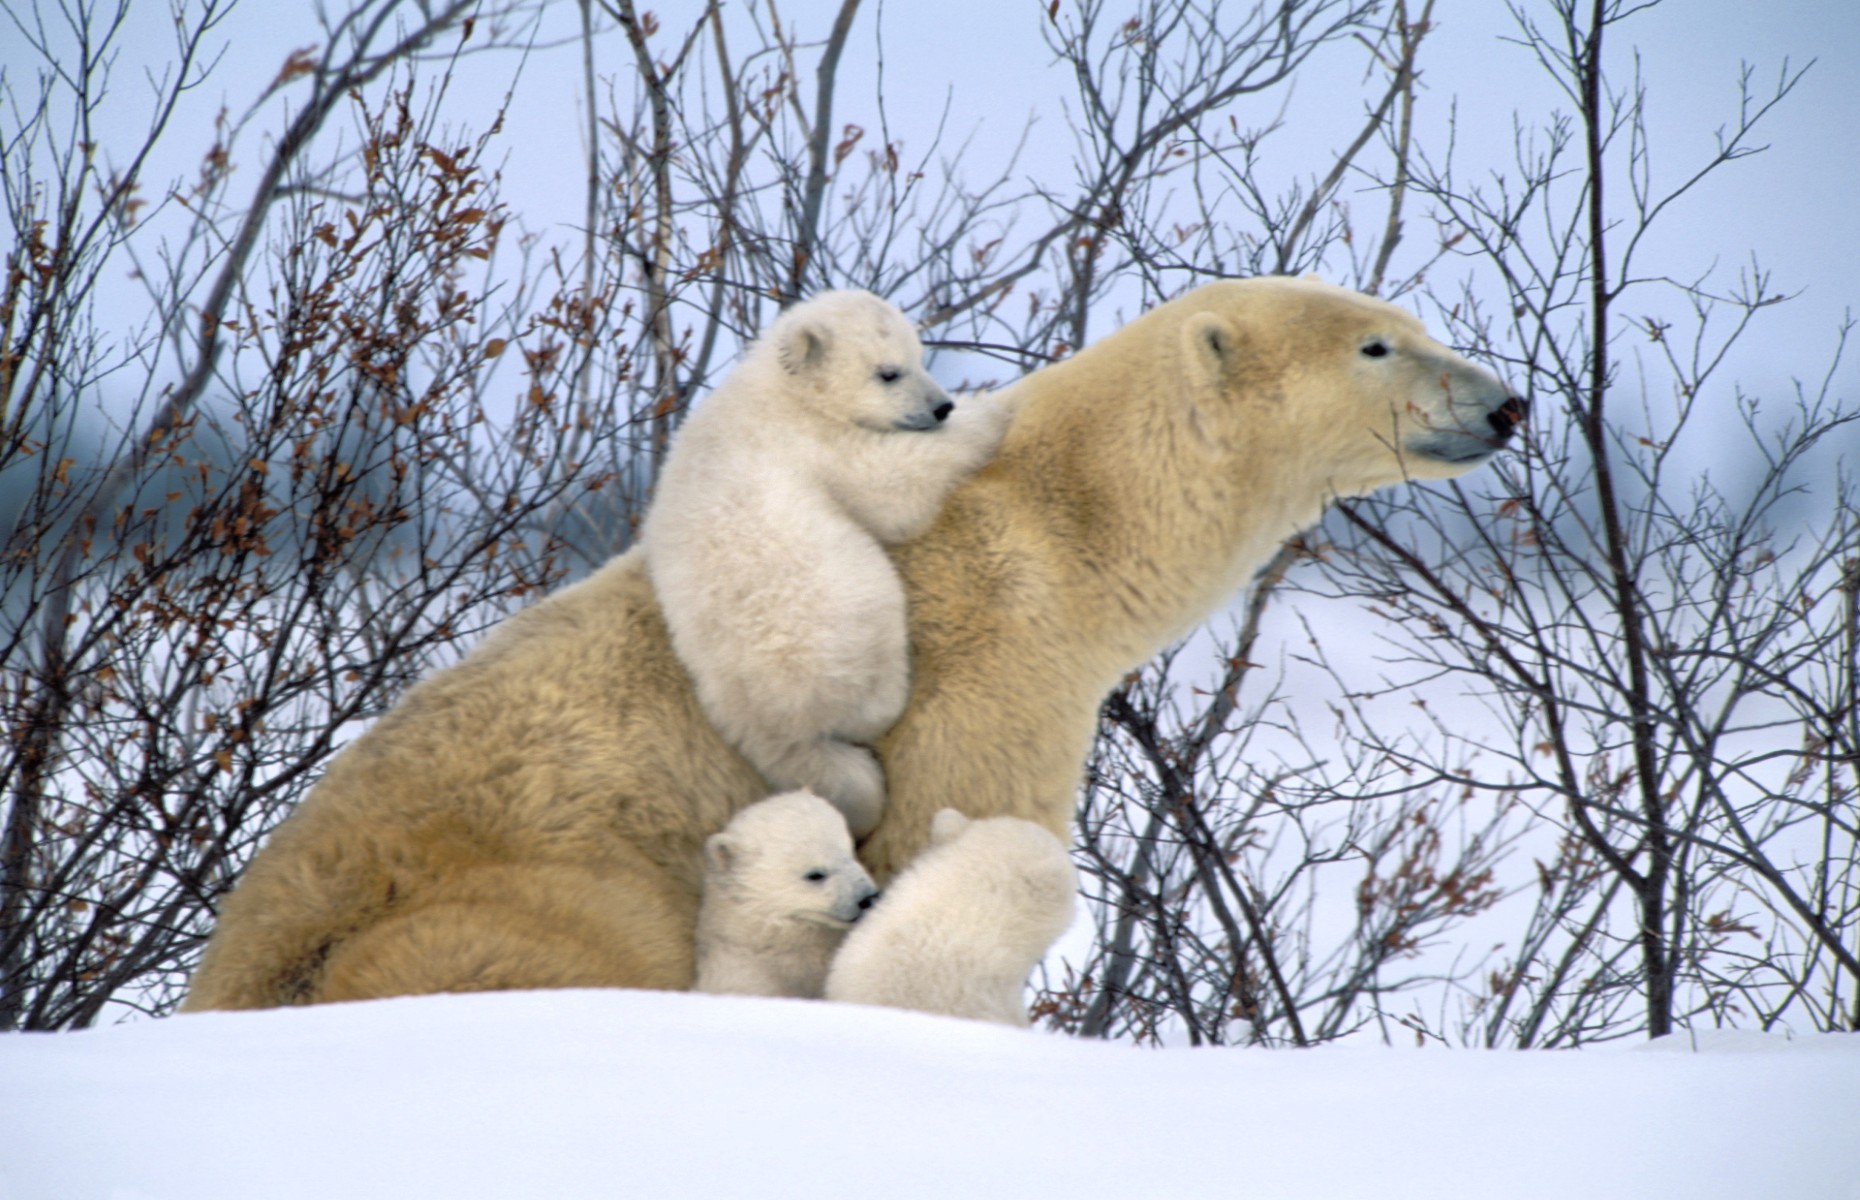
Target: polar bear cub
{"points": [[764, 538], [781, 888], [959, 930]]}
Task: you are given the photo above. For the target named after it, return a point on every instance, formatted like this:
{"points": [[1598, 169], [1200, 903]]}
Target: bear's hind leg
{"points": [[542, 926], [845, 775]]}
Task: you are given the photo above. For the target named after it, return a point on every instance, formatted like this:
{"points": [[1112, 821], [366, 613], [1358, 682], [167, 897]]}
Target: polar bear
{"points": [[781, 888], [960, 928], [535, 815], [763, 540]]}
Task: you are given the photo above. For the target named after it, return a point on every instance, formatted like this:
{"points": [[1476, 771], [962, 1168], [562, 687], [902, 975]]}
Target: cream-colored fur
{"points": [[535, 816], [959, 930], [764, 538], [781, 888]]}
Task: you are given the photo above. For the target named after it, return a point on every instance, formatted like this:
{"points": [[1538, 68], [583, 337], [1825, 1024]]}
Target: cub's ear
{"points": [[802, 348], [945, 825], [719, 852]]}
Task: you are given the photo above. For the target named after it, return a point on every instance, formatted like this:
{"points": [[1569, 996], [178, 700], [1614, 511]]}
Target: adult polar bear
{"points": [[535, 815]]}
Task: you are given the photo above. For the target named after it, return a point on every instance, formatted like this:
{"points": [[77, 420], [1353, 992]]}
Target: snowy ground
{"points": [[635, 1094]]}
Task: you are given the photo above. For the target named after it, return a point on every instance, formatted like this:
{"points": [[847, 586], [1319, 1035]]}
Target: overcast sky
{"points": [[1793, 206]]}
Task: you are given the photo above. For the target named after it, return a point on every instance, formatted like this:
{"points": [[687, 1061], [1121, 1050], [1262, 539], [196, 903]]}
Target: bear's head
{"points": [[1349, 386], [789, 858], [1030, 876], [852, 357]]}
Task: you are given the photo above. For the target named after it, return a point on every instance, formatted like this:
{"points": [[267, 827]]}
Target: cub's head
{"points": [[850, 356], [1347, 389], [1023, 868], [789, 858]]}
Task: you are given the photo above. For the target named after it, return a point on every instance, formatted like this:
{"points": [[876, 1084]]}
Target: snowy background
{"points": [[619, 1094], [572, 1094]]}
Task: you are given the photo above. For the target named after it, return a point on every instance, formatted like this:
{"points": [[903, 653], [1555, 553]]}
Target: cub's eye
{"points": [[1375, 349], [815, 876], [889, 374]]}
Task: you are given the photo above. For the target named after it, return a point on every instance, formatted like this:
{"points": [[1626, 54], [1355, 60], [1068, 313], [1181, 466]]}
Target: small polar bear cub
{"points": [[959, 930], [764, 539], [781, 888]]}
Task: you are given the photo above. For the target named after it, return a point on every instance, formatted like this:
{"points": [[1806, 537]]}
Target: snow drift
{"points": [[623, 1094]]}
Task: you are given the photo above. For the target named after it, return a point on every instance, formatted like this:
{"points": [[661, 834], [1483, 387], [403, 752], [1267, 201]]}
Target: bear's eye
{"points": [[815, 876], [889, 374], [1375, 349]]}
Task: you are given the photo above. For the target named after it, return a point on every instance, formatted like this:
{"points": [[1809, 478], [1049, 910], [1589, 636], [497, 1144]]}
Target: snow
{"points": [[571, 1094]]}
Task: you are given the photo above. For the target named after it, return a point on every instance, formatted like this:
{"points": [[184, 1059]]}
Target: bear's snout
{"points": [[941, 412], [868, 900], [1508, 417]]}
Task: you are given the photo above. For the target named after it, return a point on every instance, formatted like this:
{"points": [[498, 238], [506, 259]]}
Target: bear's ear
{"points": [[1216, 356], [719, 853], [802, 348], [945, 825], [1213, 346]]}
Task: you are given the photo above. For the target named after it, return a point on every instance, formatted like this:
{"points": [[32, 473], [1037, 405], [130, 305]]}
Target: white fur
{"points": [[958, 931], [781, 888], [764, 538]]}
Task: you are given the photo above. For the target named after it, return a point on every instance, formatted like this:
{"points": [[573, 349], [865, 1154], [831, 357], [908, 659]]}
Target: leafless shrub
{"points": [[1652, 604], [373, 414]]}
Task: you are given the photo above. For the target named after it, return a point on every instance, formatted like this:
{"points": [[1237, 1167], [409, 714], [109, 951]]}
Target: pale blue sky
{"points": [[1793, 206]]}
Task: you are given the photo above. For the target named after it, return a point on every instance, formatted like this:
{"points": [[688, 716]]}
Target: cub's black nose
{"points": [[868, 901], [1508, 417], [941, 412]]}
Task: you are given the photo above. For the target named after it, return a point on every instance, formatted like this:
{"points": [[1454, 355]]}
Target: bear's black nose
{"points": [[1508, 416], [868, 901], [941, 412]]}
